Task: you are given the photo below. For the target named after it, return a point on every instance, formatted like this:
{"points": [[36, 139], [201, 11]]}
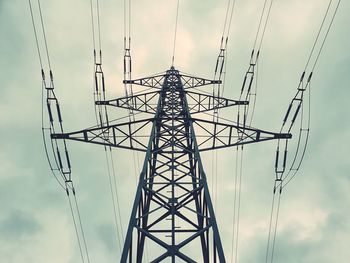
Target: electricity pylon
{"points": [[172, 209]]}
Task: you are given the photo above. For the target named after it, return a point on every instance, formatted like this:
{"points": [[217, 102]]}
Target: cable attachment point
{"points": [[51, 75], [43, 75], [310, 76], [251, 56]]}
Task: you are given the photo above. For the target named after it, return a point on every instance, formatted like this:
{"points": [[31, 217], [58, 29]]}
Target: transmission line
{"points": [[270, 225], [325, 37], [297, 105], [128, 88], [274, 216], [174, 44], [61, 162], [220, 74], [236, 203], [113, 200], [265, 24], [245, 112], [275, 227], [318, 35], [81, 225], [44, 35], [295, 109], [104, 134], [43, 128], [35, 33], [102, 120], [75, 227]]}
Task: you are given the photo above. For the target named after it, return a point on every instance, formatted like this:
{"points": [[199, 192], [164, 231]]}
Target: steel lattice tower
{"points": [[172, 209], [172, 216], [173, 190]]}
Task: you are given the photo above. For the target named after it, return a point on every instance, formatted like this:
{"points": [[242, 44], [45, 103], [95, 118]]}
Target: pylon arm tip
{"points": [[283, 136]]}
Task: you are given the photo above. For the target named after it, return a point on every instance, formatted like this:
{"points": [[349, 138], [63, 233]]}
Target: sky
{"points": [[35, 221]]}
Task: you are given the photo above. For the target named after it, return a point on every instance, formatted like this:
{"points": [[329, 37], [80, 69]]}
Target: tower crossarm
{"points": [[147, 102], [215, 135], [157, 81], [210, 135], [128, 135], [200, 102]]}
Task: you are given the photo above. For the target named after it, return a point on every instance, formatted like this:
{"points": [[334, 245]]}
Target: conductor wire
{"points": [[35, 33], [265, 25], [92, 25], [98, 23], [81, 227], [324, 39], [174, 45], [304, 131], [275, 228], [112, 197], [75, 227], [318, 34], [44, 34], [239, 203], [260, 21], [230, 21], [270, 226], [42, 97]]}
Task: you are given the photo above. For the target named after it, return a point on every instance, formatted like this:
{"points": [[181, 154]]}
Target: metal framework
{"points": [[172, 209], [172, 216]]}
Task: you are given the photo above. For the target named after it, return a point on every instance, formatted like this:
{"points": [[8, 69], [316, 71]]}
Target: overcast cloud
{"points": [[35, 221]]}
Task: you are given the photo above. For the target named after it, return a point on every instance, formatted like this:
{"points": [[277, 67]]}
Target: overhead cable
{"points": [[174, 43]]}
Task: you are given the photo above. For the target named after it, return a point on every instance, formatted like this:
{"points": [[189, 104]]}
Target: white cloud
{"points": [[315, 198]]}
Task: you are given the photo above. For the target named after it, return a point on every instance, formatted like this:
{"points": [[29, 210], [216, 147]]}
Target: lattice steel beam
{"points": [[172, 209]]}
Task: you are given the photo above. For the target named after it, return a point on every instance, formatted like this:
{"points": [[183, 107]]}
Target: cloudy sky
{"points": [[35, 221]]}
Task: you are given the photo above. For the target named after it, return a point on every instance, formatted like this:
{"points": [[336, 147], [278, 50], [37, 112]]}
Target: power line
{"points": [[174, 44], [275, 227], [270, 225], [239, 203], [318, 34], [75, 226], [324, 39], [260, 21], [140, 208], [98, 23], [113, 201], [35, 34], [81, 227], [44, 35], [299, 102], [92, 25], [264, 30]]}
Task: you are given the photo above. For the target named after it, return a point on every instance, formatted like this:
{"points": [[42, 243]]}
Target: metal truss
{"points": [[210, 135], [146, 102], [157, 81], [172, 209]]}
